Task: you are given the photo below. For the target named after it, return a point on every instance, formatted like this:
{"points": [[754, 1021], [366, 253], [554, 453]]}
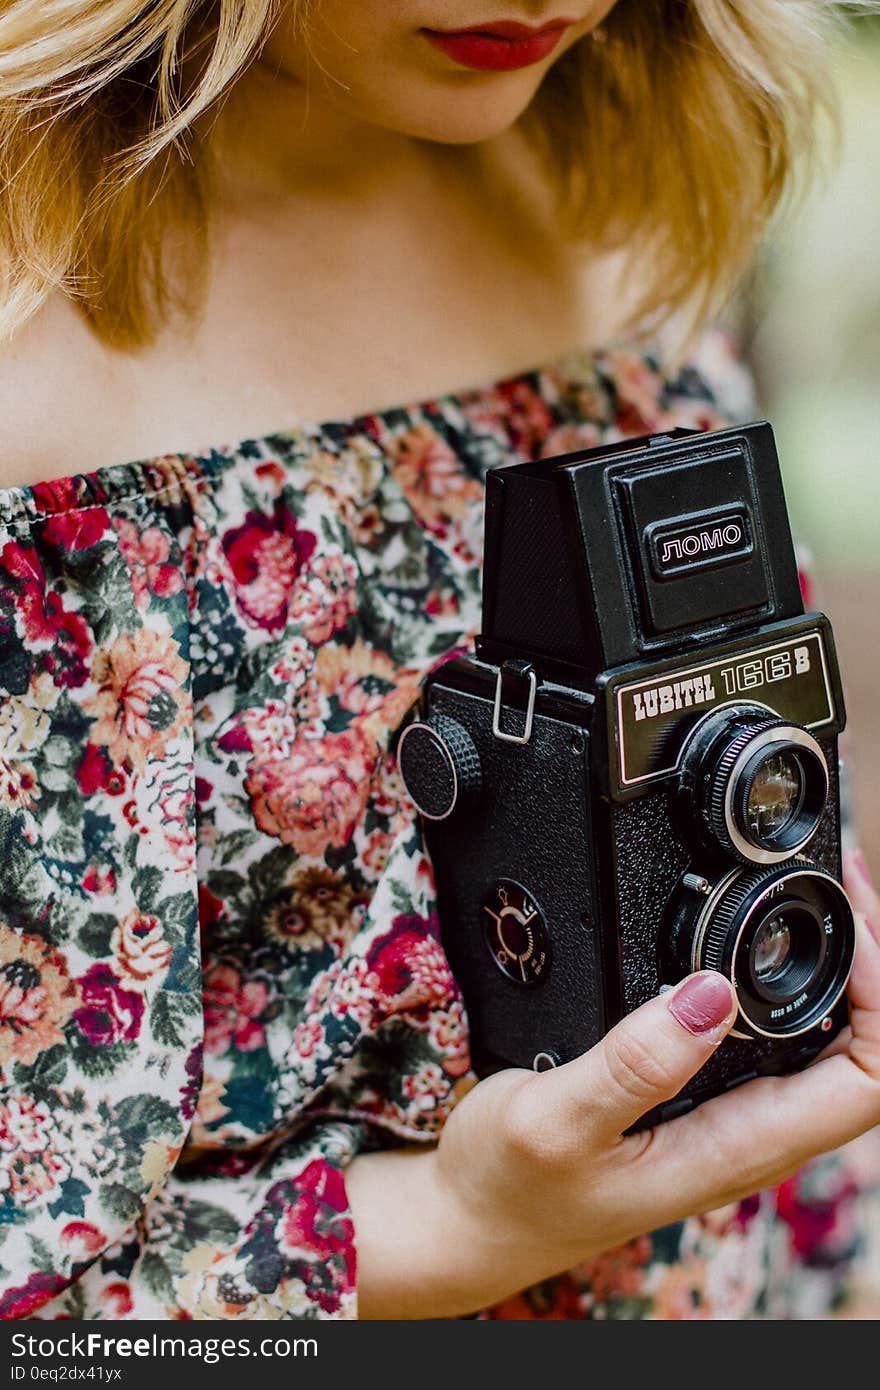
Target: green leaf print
{"points": [[95, 933], [120, 1201], [46, 1072], [144, 1117], [171, 1017]]}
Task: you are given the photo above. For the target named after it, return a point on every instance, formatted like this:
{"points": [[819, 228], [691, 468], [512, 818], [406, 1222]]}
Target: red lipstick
{"points": [[501, 46]]}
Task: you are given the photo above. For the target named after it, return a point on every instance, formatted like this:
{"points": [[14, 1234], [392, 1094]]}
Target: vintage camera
{"points": [[636, 775]]}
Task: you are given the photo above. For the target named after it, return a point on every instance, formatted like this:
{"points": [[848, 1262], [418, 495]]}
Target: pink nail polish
{"points": [[857, 859], [702, 1003]]}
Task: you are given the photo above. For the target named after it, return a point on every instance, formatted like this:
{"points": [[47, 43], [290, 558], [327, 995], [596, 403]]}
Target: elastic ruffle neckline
{"points": [[118, 482]]}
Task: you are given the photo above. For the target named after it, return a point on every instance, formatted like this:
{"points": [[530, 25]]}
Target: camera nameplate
{"points": [[650, 716]]}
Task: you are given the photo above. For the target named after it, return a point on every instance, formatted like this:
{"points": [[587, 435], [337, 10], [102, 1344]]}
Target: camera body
{"points": [[635, 775]]}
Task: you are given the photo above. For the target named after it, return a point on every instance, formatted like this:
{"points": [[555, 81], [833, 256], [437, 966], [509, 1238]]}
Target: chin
{"points": [[460, 119]]}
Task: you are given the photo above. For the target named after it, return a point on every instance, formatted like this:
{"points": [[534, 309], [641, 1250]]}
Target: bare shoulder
{"points": [[57, 398]]}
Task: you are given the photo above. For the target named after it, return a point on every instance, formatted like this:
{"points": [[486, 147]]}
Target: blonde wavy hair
{"points": [[676, 135]]}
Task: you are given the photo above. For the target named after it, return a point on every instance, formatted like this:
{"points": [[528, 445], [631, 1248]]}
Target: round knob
{"points": [[439, 764]]}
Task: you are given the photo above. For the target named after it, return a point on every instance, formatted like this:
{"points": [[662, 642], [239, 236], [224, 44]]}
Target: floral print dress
{"points": [[220, 970]]}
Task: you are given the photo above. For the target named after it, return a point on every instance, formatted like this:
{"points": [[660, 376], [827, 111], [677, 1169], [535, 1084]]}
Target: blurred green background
{"points": [[812, 334], [815, 331], [812, 329]]}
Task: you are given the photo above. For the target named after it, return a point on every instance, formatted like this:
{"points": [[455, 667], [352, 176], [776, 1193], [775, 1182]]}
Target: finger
{"points": [[864, 993], [644, 1060], [857, 881], [762, 1132], [840, 1045]]}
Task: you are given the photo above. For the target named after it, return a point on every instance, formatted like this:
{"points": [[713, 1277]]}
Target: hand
{"points": [[533, 1173]]}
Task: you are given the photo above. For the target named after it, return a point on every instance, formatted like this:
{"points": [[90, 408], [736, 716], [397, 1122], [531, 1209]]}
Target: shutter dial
{"points": [[439, 765]]}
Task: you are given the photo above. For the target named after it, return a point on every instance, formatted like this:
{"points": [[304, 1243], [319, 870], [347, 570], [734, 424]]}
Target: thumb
{"points": [[644, 1060]]}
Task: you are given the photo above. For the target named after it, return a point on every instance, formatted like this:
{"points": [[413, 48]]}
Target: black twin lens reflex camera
{"points": [[635, 776]]}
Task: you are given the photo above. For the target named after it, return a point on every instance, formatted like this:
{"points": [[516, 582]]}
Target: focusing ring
{"points": [[718, 931], [718, 797], [719, 939]]}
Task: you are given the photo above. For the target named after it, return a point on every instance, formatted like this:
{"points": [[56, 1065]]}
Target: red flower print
{"points": [[812, 1220], [408, 967], [97, 773], [82, 1239], [99, 879], [308, 1037], [109, 1012], [141, 950], [232, 1008], [567, 439], [140, 705], [449, 1033], [25, 1299], [116, 1300], [22, 566], [432, 479], [314, 1220], [328, 599], [527, 416], [313, 797], [442, 603], [78, 529], [210, 908], [64, 494], [37, 996], [235, 740], [265, 556], [271, 470], [146, 554], [620, 1272], [44, 617], [189, 1091], [32, 1163], [639, 387], [72, 645]]}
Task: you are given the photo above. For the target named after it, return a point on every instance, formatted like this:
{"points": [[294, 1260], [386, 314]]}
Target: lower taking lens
{"points": [[772, 949]]}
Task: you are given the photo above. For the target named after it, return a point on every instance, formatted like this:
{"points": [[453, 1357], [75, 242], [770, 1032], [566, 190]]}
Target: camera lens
{"points": [[755, 785], [775, 796], [787, 950], [784, 936], [772, 950]]}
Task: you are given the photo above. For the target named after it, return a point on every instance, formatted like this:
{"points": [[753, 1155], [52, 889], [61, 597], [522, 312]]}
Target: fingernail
{"points": [[874, 928], [703, 1002], [857, 860]]}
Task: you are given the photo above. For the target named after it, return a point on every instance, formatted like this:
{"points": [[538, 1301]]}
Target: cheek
{"points": [[350, 44]]}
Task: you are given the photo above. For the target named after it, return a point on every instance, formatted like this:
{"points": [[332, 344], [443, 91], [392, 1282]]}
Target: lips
{"points": [[501, 47]]}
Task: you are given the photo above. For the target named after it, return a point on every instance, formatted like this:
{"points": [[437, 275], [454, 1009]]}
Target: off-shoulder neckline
{"points": [[25, 504]]}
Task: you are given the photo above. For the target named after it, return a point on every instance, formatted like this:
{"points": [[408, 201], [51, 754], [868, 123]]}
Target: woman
{"points": [[222, 218]]}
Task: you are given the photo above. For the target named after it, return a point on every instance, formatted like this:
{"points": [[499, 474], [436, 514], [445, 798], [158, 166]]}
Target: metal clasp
{"points": [[530, 710]]}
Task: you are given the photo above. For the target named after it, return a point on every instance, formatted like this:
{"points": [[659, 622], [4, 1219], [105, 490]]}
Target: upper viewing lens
{"points": [[775, 796], [754, 784]]}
